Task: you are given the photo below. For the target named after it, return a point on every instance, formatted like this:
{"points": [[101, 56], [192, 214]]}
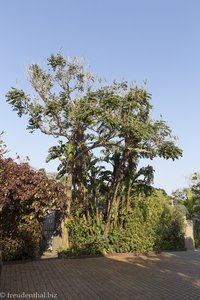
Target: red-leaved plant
{"points": [[25, 196]]}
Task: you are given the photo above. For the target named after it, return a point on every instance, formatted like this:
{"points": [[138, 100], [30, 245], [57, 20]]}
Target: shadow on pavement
{"points": [[166, 276]]}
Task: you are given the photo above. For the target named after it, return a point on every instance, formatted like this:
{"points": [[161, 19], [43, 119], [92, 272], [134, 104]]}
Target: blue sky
{"points": [[153, 40]]}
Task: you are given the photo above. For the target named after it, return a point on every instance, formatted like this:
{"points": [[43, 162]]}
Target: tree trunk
{"points": [[79, 166], [119, 173], [65, 235], [111, 206], [116, 212], [128, 196]]}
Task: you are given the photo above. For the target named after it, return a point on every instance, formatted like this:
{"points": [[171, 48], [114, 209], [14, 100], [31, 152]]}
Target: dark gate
{"points": [[51, 228]]}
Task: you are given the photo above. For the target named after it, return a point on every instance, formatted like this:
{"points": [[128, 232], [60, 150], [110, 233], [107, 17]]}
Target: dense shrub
{"points": [[151, 224], [23, 243], [196, 224], [170, 231], [197, 242], [25, 196], [86, 236]]}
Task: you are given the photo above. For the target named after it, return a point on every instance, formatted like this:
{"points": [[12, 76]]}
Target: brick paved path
{"points": [[166, 276]]}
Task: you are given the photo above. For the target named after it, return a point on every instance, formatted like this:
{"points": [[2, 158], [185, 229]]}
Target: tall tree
{"points": [[88, 114]]}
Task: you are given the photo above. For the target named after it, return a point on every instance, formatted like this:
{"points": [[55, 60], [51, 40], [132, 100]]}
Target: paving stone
{"points": [[122, 277]]}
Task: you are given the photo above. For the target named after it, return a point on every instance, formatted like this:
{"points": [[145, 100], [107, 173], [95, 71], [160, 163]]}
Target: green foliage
{"points": [[189, 197], [171, 230], [86, 235], [115, 119], [196, 224], [151, 224], [197, 242], [25, 196]]}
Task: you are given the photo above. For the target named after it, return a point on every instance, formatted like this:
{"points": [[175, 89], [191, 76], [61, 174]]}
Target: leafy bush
{"points": [[25, 196], [85, 236], [23, 244], [197, 242], [151, 224], [196, 224], [170, 232]]}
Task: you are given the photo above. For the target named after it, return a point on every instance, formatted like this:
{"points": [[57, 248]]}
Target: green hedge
{"points": [[151, 224]]}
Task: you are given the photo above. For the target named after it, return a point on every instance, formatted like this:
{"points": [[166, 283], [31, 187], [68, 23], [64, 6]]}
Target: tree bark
{"points": [[118, 175], [65, 235], [113, 195], [128, 196], [116, 212]]}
